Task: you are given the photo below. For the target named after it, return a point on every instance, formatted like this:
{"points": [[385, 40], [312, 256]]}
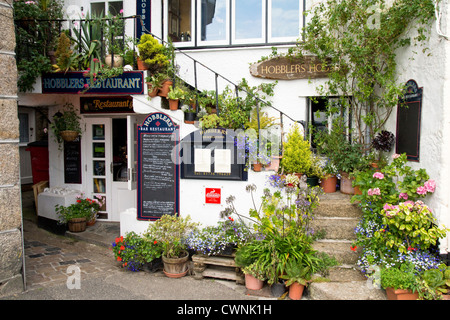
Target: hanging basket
{"points": [[69, 135]]}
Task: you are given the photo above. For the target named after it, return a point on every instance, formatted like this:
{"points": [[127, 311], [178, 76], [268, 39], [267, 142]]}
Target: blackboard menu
{"points": [[409, 114], [158, 168], [72, 161]]}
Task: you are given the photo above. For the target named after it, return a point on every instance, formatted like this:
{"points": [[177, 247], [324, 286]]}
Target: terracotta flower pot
{"points": [[142, 65], [328, 184], [164, 90], [400, 294], [257, 167], [253, 283], [152, 91], [296, 291], [173, 104]]}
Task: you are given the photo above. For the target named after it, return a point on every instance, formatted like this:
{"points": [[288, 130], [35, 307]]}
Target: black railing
{"points": [[231, 83], [40, 37]]}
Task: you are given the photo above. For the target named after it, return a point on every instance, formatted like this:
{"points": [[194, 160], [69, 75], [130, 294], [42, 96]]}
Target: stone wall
{"points": [[11, 248]]}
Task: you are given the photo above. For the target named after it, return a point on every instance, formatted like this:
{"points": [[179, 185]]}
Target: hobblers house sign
{"points": [[283, 68]]}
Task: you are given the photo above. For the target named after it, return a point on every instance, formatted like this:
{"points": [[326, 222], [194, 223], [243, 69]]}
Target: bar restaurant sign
{"points": [[130, 82], [284, 68]]}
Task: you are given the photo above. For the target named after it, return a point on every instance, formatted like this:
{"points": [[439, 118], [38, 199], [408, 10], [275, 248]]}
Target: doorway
{"points": [[108, 175]]}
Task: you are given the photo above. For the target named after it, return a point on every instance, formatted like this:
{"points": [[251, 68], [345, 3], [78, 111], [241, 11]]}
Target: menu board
{"points": [[409, 114], [72, 161], [158, 168]]}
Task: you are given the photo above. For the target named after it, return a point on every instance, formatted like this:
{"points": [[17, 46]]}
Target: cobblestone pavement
{"points": [[48, 256]]}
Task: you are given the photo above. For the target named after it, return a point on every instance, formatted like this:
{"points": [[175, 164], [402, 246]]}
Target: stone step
{"points": [[337, 204], [351, 290], [337, 228], [338, 249]]}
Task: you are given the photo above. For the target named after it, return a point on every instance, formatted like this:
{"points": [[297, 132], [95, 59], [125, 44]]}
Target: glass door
{"points": [[98, 163]]}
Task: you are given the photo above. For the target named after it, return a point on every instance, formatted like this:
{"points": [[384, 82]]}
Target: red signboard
{"points": [[212, 195]]}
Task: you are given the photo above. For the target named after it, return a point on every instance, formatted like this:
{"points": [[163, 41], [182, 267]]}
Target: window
{"points": [[99, 8], [179, 21], [214, 21], [285, 20], [248, 17], [232, 22]]}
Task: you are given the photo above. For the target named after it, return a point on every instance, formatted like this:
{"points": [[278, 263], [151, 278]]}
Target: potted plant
{"points": [[221, 239], [400, 282], [189, 114], [155, 83], [152, 55], [134, 253], [383, 142], [297, 152], [66, 124], [297, 277], [438, 282], [77, 214], [328, 182], [170, 232], [174, 96], [315, 172]]}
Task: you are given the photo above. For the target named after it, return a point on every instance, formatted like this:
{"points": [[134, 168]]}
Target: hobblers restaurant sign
{"points": [[130, 82], [283, 68]]}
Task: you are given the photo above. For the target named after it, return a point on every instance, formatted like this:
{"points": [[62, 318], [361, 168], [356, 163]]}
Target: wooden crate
{"points": [[219, 267]]}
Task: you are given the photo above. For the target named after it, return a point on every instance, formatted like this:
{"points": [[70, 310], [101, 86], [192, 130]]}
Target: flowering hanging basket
{"points": [[69, 135]]}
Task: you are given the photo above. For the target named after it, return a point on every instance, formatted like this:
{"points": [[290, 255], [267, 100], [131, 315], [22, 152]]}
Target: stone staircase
{"points": [[338, 217]]}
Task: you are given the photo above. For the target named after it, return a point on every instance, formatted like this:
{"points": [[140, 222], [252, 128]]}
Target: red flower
{"points": [[231, 219], [119, 259], [122, 248], [353, 248], [79, 201], [155, 242]]}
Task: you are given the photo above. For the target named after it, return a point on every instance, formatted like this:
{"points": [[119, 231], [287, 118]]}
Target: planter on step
{"points": [[176, 267], [400, 294], [253, 283], [296, 291]]}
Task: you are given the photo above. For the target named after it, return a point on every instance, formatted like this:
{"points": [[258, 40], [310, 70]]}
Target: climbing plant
{"points": [[360, 39]]}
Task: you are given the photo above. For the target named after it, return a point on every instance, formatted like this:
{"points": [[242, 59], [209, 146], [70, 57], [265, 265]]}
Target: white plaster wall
{"points": [[431, 71]]}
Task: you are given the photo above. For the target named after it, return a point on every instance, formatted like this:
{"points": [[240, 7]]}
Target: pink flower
{"points": [[403, 196], [378, 175], [430, 185], [374, 192], [121, 11], [387, 206], [86, 85], [421, 190], [395, 156]]}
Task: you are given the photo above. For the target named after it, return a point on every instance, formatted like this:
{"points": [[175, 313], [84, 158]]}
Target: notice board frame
{"points": [[158, 123], [409, 113], [221, 139]]}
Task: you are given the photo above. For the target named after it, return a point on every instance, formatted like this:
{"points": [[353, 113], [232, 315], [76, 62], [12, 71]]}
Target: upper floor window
{"points": [[102, 8], [233, 22]]}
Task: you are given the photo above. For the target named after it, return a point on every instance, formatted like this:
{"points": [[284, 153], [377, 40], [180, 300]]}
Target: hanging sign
{"points": [[158, 167], [284, 68]]}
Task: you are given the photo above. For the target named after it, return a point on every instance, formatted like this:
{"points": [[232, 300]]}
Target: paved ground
{"points": [[52, 263]]}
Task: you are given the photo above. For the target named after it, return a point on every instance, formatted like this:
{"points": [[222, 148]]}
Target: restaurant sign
{"points": [[106, 104], [130, 82], [284, 68]]}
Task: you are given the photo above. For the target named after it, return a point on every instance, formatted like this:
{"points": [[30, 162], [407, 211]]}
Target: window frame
{"points": [[270, 38], [181, 44], [263, 37], [226, 41]]}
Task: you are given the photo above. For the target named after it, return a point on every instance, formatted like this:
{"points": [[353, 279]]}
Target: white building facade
{"points": [[226, 36]]}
